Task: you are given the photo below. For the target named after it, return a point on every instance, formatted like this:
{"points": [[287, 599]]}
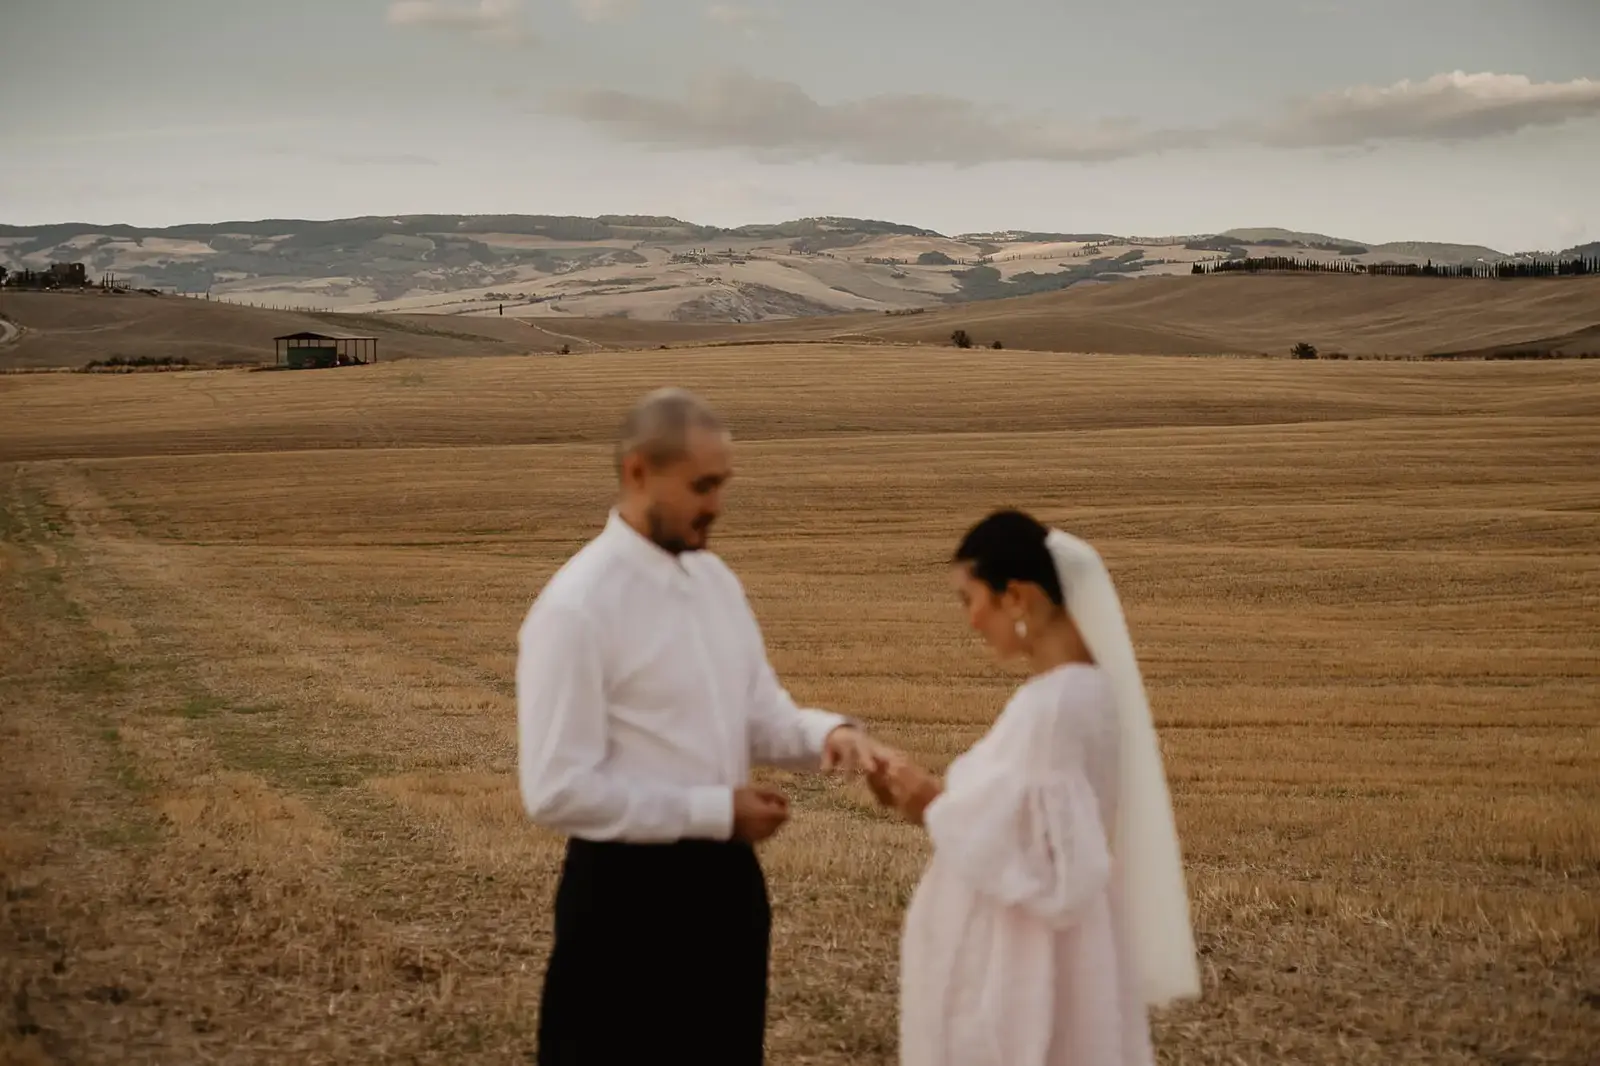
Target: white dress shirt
{"points": [[644, 695]]}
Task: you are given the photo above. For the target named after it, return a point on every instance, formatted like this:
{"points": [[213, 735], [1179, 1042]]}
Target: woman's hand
{"points": [[903, 785]]}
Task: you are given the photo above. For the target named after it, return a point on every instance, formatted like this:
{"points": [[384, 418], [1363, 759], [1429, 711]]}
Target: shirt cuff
{"points": [[816, 725], [710, 813]]}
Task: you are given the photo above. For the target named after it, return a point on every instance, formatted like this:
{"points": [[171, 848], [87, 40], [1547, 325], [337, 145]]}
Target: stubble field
{"points": [[257, 637]]}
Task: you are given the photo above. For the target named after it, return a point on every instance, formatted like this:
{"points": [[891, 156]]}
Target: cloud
{"points": [[605, 10], [779, 120], [1445, 107], [498, 20]]}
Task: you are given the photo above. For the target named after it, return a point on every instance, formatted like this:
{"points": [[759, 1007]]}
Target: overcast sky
{"points": [[1374, 120]]}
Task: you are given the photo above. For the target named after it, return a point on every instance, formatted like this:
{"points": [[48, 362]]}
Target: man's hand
{"points": [[850, 750], [758, 813]]}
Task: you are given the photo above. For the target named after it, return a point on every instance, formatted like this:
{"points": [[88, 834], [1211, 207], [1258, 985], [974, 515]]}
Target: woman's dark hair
{"points": [[1010, 546]]}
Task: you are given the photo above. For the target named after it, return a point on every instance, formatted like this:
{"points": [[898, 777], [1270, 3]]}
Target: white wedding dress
{"points": [[1014, 950]]}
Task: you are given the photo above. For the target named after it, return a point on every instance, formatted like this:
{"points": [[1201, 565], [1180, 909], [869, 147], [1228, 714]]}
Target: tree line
{"points": [[1580, 266]]}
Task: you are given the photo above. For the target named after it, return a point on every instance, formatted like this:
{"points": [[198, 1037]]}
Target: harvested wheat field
{"points": [[258, 630]]}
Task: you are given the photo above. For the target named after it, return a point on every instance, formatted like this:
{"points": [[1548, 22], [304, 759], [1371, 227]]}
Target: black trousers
{"points": [[660, 956]]}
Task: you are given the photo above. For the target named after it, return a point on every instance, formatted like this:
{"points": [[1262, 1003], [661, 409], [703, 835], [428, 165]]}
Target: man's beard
{"points": [[673, 543]]}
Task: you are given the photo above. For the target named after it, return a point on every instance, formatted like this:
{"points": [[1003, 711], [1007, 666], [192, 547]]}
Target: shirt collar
{"points": [[641, 551]]}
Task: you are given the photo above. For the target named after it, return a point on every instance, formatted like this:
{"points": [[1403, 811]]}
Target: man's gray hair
{"points": [[659, 424]]}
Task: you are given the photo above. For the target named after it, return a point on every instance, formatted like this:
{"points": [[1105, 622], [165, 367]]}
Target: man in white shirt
{"points": [[644, 695]]}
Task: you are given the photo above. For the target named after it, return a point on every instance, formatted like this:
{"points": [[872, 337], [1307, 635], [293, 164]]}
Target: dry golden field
{"points": [[256, 716]]}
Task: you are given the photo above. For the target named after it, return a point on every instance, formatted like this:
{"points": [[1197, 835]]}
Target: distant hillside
{"points": [[1219, 315], [641, 267], [1011, 236], [1363, 251], [815, 227], [1439, 253], [645, 268], [68, 330], [1264, 234], [1269, 314]]}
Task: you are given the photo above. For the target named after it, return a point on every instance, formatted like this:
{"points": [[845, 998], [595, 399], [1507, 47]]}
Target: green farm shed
{"points": [[308, 351]]}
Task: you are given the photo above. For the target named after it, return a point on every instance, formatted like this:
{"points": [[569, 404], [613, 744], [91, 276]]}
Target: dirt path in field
{"points": [[594, 346]]}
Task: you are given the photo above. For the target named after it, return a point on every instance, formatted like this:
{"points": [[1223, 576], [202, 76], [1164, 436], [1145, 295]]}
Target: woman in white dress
{"points": [[1053, 912]]}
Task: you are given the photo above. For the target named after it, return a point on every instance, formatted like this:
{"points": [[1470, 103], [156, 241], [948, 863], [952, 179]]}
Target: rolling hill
{"points": [[1217, 315], [641, 267], [1267, 315], [70, 330], [1364, 251]]}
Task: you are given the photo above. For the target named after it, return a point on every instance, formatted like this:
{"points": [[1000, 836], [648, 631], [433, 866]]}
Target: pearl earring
{"points": [[1022, 628]]}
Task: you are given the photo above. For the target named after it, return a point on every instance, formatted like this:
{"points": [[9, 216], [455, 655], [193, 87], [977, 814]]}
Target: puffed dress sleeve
{"points": [[1019, 819]]}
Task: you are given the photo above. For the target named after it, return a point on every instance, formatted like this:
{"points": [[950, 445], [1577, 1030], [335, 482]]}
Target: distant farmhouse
{"points": [[59, 276]]}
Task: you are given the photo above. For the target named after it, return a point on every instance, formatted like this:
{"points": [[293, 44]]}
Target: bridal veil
{"points": [[1145, 837]]}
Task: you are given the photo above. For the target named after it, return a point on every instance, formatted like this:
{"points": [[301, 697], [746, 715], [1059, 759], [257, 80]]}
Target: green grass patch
{"points": [[279, 756], [201, 707], [96, 676], [125, 833], [124, 767]]}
